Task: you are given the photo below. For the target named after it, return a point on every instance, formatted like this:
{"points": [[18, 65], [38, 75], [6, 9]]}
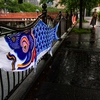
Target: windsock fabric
{"points": [[22, 50]]}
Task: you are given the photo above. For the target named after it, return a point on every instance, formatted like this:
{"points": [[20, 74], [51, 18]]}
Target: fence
{"points": [[10, 81]]}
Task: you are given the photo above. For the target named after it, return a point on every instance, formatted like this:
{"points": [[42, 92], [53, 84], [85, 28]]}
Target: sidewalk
{"points": [[85, 38], [50, 91], [59, 85]]}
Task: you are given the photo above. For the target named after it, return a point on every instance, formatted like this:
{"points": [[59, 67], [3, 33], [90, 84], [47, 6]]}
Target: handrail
{"points": [[18, 77], [14, 29]]}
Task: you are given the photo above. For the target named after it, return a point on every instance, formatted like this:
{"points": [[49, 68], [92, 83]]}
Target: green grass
{"points": [[81, 31], [84, 21]]}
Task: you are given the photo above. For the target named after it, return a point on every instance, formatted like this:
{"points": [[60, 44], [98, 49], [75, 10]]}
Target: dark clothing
{"points": [[94, 18], [94, 14], [93, 21]]}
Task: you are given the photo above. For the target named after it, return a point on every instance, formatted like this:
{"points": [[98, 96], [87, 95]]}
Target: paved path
{"points": [[65, 82], [85, 38]]}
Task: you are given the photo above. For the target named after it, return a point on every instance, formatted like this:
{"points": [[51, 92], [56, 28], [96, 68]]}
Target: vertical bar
{"points": [[26, 73], [44, 19], [67, 15], [71, 17], [18, 77], [22, 75], [13, 79], [80, 22], [59, 28], [29, 70], [1, 81], [44, 12], [8, 82]]}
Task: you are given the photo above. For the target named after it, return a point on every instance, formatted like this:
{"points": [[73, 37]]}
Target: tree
{"points": [[81, 5], [14, 6], [20, 1], [45, 1]]}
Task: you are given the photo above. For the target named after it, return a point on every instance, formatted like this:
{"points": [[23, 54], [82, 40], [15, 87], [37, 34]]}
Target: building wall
{"points": [[59, 6], [36, 2], [54, 3]]}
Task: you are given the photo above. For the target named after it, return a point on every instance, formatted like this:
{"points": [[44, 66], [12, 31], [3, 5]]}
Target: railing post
{"points": [[44, 12], [2, 87], [71, 16], [67, 18], [44, 19], [59, 28]]}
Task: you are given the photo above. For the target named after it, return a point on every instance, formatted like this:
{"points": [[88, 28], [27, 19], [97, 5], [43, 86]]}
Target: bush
{"points": [[81, 31], [98, 15], [54, 9]]}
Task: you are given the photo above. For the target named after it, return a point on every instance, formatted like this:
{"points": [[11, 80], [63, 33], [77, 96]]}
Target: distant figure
{"points": [[73, 18], [94, 18], [67, 15], [49, 21], [37, 10]]}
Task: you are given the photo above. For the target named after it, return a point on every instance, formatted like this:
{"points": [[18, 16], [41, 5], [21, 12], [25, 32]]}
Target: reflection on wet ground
{"points": [[81, 66], [75, 72]]}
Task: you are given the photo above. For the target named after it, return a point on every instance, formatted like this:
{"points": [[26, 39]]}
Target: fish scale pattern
{"points": [[44, 36]]}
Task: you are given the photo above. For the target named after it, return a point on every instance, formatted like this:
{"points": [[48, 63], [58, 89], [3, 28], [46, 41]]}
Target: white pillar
{"points": [[85, 13]]}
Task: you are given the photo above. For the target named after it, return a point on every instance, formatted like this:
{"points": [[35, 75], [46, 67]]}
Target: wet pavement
{"points": [[74, 78], [75, 72]]}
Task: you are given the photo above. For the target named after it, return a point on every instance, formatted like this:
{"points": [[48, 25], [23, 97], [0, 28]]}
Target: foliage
{"points": [[84, 21], [27, 7], [75, 4], [45, 1], [81, 30], [99, 16], [54, 9], [14, 6]]}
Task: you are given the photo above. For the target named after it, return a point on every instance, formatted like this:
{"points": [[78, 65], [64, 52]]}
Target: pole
{"points": [[80, 22], [44, 12]]}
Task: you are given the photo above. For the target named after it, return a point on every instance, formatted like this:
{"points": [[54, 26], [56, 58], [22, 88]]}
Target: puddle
{"points": [[76, 67]]}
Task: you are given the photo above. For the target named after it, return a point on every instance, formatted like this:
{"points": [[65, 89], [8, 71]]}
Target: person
{"points": [[73, 18], [94, 18], [50, 21], [93, 23]]}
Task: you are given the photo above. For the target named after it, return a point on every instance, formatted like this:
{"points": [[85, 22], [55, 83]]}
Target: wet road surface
{"points": [[74, 73]]}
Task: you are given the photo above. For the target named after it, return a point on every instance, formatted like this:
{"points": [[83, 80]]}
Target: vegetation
{"points": [[45, 1], [84, 21], [54, 9], [78, 6], [75, 4], [81, 30], [14, 6], [99, 16]]}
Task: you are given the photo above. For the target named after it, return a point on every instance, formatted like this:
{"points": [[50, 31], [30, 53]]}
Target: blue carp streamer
{"points": [[22, 50]]}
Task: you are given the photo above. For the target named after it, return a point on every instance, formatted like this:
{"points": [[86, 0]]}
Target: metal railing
{"points": [[10, 81]]}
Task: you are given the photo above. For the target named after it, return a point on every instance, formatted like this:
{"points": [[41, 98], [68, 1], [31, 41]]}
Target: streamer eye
{"points": [[24, 42]]}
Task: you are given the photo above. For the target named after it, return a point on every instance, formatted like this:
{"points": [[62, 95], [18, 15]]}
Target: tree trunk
{"points": [[80, 22]]}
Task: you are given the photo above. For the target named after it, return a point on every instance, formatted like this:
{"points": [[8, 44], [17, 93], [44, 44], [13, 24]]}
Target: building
{"points": [[36, 2], [55, 2], [59, 6]]}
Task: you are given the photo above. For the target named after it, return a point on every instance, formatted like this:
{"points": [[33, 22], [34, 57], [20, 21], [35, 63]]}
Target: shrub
{"points": [[80, 30], [98, 15]]}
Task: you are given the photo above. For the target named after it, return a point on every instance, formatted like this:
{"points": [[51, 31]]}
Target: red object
{"points": [[98, 5], [73, 19]]}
